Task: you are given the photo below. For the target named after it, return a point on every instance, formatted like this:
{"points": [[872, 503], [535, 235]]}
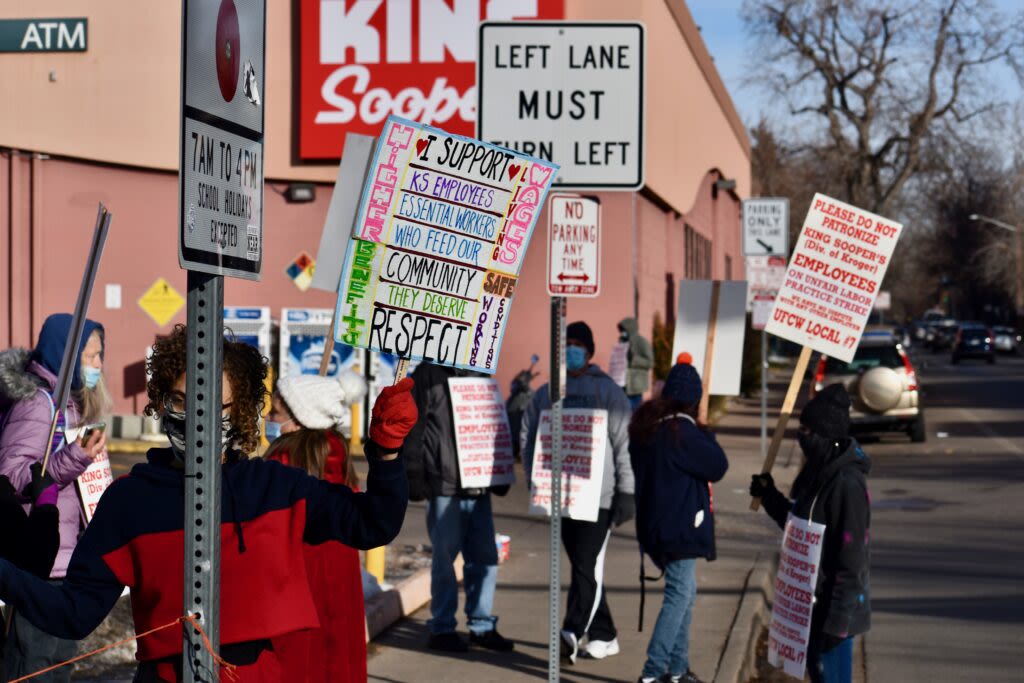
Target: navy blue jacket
{"points": [[674, 510]]}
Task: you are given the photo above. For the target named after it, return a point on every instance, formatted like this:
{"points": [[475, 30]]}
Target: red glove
{"points": [[394, 415]]}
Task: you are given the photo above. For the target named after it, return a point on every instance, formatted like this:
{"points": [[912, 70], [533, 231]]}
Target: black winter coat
{"points": [[673, 474], [842, 503]]}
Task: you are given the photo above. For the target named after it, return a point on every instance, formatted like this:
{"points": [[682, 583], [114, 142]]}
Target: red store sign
{"points": [[361, 60]]}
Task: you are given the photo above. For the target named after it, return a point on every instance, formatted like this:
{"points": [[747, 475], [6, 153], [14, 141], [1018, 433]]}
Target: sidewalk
{"points": [[521, 602]]}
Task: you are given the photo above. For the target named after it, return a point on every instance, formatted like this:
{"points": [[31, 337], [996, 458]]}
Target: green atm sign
{"points": [[44, 35]]}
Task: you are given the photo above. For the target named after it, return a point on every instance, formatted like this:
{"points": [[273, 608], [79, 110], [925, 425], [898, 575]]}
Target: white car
{"points": [[1005, 339]]}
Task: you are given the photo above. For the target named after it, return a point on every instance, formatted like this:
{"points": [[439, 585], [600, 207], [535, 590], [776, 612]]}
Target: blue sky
{"points": [[724, 35]]}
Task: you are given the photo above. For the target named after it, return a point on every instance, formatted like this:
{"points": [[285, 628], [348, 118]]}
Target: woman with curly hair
{"points": [[269, 511]]}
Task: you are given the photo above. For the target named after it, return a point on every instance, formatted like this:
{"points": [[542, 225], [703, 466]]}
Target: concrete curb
{"points": [[408, 595], [738, 661]]}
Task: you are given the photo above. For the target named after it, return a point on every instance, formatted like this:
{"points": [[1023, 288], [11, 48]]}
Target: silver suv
{"points": [[882, 384]]}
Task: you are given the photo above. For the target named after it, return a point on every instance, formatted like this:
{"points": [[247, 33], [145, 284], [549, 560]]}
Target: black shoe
{"points": [[491, 640], [688, 677], [447, 642]]}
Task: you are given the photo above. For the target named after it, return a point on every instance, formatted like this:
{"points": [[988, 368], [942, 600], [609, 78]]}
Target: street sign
{"points": [[765, 275], [884, 301], [568, 92], [220, 178], [574, 246], [765, 226], [161, 302]]}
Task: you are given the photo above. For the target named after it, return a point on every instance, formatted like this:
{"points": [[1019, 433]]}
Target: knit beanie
{"points": [[580, 331], [683, 384], [828, 413], [321, 402]]}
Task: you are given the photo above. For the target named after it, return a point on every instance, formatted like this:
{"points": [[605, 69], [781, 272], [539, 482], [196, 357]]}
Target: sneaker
{"points": [[491, 640], [570, 646], [599, 649], [688, 677], [447, 642]]}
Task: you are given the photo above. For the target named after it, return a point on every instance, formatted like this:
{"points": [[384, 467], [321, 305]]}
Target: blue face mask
{"points": [[575, 358], [91, 377], [273, 430]]}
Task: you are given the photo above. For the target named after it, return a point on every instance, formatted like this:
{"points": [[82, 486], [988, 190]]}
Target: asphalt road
{"points": [[947, 530]]}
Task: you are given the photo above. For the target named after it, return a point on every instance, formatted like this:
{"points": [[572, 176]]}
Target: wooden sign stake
{"points": [[787, 410], [709, 351]]}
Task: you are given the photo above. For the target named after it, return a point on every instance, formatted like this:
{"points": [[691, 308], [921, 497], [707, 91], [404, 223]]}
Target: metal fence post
{"points": [[557, 389]]}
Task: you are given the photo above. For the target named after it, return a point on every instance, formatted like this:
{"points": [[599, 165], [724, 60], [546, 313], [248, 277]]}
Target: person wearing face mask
{"points": [[831, 489], [587, 617], [639, 359], [303, 427], [268, 512], [28, 380]]}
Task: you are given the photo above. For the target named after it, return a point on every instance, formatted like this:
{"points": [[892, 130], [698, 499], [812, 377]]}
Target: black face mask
{"points": [[817, 450]]}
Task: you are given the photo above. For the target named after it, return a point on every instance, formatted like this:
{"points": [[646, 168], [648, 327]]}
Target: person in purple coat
{"points": [[28, 381]]}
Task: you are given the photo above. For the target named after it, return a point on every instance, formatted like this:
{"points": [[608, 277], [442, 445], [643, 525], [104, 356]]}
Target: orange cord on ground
{"points": [[225, 665]]}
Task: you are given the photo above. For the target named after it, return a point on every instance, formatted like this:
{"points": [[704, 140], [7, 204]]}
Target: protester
{"points": [[459, 520], [831, 489], [639, 359], [268, 511], [675, 460], [303, 422], [27, 384], [587, 615]]}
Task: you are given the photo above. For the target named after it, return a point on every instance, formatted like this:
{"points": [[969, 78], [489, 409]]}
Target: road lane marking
{"points": [[1014, 448]]}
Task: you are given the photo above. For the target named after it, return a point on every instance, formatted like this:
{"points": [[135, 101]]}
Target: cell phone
{"points": [[94, 427]]}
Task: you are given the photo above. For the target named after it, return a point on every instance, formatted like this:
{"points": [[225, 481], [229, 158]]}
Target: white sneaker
{"points": [[599, 649], [570, 646]]}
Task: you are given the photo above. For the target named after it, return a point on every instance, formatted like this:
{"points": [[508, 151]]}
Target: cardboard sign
{"points": [[570, 91], [482, 434], [442, 230], [584, 439], [93, 482], [574, 246], [765, 226], [693, 315], [833, 278], [795, 582], [619, 363], [361, 61]]}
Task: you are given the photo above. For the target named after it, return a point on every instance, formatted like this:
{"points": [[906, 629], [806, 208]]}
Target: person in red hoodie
{"points": [[303, 422]]}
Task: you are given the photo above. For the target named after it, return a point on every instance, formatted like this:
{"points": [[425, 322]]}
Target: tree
{"points": [[880, 77]]}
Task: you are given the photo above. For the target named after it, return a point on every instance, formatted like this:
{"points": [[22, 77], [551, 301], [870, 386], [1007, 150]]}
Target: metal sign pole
{"points": [[557, 388], [764, 393], [202, 472]]}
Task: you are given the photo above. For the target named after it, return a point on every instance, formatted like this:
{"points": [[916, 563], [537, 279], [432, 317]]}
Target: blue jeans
{"points": [[462, 525], [669, 649], [834, 666]]}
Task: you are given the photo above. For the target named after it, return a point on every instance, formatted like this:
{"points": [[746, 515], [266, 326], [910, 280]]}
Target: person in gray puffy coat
{"points": [[587, 615], [640, 360]]}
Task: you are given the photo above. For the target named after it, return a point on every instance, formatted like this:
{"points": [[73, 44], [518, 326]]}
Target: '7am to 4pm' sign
{"points": [[439, 239]]}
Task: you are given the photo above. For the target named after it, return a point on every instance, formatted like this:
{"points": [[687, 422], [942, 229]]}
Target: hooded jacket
{"points": [[593, 389], [640, 359], [268, 511], [839, 494], [26, 402], [674, 471]]}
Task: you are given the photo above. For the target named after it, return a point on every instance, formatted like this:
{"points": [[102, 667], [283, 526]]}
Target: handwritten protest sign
{"points": [[482, 435], [93, 482], [794, 595], [833, 278], [584, 439], [619, 363], [440, 237]]}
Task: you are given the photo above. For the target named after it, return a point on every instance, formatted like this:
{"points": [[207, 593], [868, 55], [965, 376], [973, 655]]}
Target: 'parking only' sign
{"points": [[765, 226], [220, 178], [574, 246], [568, 92]]}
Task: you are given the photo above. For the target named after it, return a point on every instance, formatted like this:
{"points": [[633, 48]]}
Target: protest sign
{"points": [[619, 363], [483, 438], [795, 582], [584, 439], [93, 482], [833, 278], [693, 320], [440, 236]]}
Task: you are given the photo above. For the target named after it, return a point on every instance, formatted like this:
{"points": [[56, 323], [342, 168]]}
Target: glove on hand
{"points": [[41, 490], [623, 508], [394, 415], [761, 485]]}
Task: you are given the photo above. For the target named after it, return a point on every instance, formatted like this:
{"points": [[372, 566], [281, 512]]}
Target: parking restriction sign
{"points": [[574, 246]]}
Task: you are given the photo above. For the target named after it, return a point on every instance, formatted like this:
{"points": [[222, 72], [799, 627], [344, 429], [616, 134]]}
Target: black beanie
{"points": [[828, 413], [580, 331]]}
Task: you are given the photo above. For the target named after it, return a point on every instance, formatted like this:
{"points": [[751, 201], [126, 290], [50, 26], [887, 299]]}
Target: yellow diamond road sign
{"points": [[161, 302]]}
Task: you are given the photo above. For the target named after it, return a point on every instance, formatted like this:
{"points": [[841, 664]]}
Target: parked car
{"points": [[1006, 339], [882, 384], [973, 340], [941, 334]]}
